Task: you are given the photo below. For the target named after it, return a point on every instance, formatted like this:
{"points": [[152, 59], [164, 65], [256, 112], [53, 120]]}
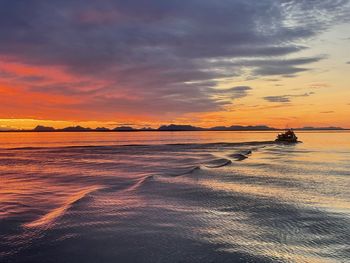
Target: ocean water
{"points": [[174, 197]]}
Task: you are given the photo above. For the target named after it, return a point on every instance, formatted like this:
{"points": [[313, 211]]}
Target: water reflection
{"points": [[175, 203]]}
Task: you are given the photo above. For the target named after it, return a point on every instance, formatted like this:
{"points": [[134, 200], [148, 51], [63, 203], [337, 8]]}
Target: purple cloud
{"points": [[286, 98], [167, 55]]}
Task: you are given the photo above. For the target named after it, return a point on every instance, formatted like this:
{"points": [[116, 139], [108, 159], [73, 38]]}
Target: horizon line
{"points": [[169, 127]]}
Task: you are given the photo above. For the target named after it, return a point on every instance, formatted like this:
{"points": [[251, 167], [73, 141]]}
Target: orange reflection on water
{"points": [[61, 139]]}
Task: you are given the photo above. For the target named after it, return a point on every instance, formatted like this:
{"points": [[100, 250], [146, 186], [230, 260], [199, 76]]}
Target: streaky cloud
{"points": [[286, 98]]}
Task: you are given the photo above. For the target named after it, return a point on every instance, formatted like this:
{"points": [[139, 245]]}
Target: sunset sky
{"points": [[200, 62]]}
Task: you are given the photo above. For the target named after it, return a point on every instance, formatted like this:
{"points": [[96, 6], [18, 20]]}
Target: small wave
{"points": [[139, 183], [185, 171], [238, 156], [247, 152], [52, 216], [218, 163]]}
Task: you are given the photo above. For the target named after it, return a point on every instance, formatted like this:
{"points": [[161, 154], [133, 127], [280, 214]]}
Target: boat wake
{"points": [[218, 163], [209, 202], [185, 171], [238, 156], [50, 218]]}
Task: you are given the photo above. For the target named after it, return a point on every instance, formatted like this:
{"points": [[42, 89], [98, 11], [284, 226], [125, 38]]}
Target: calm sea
{"points": [[174, 197]]}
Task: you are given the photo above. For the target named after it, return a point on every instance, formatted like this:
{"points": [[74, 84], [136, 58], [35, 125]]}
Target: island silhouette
{"points": [[170, 127]]}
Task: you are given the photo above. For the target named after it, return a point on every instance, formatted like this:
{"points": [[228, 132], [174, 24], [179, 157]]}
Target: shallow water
{"points": [[174, 197]]}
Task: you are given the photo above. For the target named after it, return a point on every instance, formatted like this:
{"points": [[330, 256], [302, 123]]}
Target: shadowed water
{"points": [[177, 197]]}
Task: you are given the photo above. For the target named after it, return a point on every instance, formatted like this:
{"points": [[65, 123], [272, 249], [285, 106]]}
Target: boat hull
{"points": [[287, 141]]}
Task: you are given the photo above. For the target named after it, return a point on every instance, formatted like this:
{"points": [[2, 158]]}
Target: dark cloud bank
{"points": [[168, 54], [286, 98]]}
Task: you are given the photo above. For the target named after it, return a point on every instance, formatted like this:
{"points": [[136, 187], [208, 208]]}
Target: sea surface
{"points": [[174, 197]]}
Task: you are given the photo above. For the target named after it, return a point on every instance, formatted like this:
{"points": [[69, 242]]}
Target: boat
{"points": [[287, 137]]}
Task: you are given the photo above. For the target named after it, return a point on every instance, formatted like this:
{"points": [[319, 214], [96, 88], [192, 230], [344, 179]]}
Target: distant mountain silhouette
{"points": [[102, 129], [174, 127], [76, 128], [310, 128], [124, 128], [41, 128], [171, 127], [242, 128]]}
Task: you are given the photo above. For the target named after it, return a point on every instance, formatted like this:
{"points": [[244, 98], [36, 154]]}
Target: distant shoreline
{"points": [[204, 130], [172, 127]]}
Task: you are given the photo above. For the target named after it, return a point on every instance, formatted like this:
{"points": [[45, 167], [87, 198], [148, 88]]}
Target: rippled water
{"points": [[174, 197]]}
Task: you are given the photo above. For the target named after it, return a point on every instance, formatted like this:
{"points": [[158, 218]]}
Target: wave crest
{"points": [[53, 215]]}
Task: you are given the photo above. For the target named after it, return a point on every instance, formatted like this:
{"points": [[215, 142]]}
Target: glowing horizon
{"points": [[137, 64]]}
